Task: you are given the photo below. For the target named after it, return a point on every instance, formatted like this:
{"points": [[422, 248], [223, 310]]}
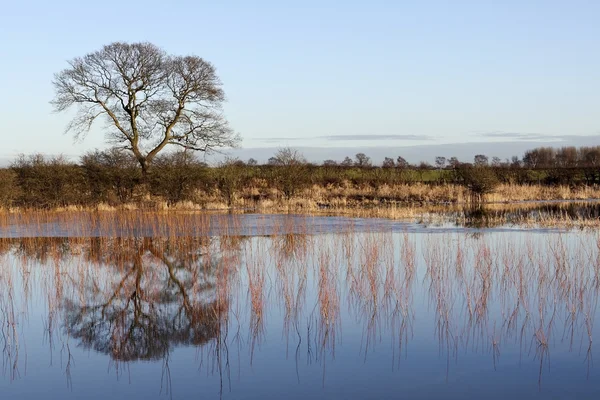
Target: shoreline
{"points": [[569, 214]]}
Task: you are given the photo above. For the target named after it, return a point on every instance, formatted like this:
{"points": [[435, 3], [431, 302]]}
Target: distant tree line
{"points": [[114, 176]]}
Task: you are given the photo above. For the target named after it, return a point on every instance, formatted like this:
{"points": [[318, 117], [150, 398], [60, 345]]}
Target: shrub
{"points": [[111, 176], [9, 190], [176, 176], [231, 176], [48, 183], [479, 180]]}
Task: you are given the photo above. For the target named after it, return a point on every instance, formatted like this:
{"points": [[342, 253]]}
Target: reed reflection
{"points": [[138, 298]]}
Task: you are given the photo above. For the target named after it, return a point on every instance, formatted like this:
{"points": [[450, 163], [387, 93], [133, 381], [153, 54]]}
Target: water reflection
{"points": [[150, 301], [369, 299], [549, 214]]}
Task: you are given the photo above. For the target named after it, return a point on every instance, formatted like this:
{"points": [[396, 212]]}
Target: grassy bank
{"points": [[160, 214]]}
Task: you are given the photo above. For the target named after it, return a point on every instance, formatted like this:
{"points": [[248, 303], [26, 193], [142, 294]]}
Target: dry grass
{"points": [[184, 220], [508, 193], [348, 198]]}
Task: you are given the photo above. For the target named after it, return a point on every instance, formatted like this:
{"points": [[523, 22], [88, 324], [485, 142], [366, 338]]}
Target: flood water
{"points": [[258, 306]]}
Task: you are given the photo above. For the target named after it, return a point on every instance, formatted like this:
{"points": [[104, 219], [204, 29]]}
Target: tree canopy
{"points": [[148, 99]]}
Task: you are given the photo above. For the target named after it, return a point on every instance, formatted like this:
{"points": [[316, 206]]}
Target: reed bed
{"points": [[340, 198], [124, 223]]}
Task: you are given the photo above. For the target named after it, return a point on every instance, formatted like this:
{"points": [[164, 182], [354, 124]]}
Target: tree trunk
{"points": [[145, 168]]}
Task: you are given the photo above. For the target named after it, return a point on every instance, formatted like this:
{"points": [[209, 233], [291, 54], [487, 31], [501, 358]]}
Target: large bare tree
{"points": [[147, 98]]}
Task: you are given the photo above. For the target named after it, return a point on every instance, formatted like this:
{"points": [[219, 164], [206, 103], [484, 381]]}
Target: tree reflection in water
{"points": [[153, 300], [138, 298], [130, 298]]}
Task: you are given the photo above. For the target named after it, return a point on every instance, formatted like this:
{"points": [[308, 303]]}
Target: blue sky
{"points": [[329, 73]]}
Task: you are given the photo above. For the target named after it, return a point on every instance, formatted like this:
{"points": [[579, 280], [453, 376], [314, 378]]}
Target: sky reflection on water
{"points": [[357, 314]]}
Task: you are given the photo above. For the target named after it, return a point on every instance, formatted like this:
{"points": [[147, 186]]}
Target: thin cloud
{"points": [[278, 139], [530, 136], [516, 135], [345, 138], [374, 137]]}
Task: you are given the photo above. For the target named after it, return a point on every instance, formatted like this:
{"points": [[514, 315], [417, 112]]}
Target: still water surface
{"points": [[298, 307]]}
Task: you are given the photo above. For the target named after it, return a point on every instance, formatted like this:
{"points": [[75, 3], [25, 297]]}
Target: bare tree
{"points": [[287, 156], [453, 162], [440, 162], [480, 160], [347, 162], [362, 160], [148, 99], [401, 162], [496, 161], [292, 174], [388, 163], [515, 162], [273, 161], [541, 157], [590, 156]]}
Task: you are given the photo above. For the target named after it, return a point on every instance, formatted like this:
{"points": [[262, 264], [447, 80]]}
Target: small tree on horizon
{"points": [[388, 163], [347, 162], [440, 162], [292, 173], [401, 162], [362, 160], [453, 162], [287, 156], [480, 160]]}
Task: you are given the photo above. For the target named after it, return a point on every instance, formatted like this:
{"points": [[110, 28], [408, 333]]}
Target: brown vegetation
{"points": [[111, 179]]}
